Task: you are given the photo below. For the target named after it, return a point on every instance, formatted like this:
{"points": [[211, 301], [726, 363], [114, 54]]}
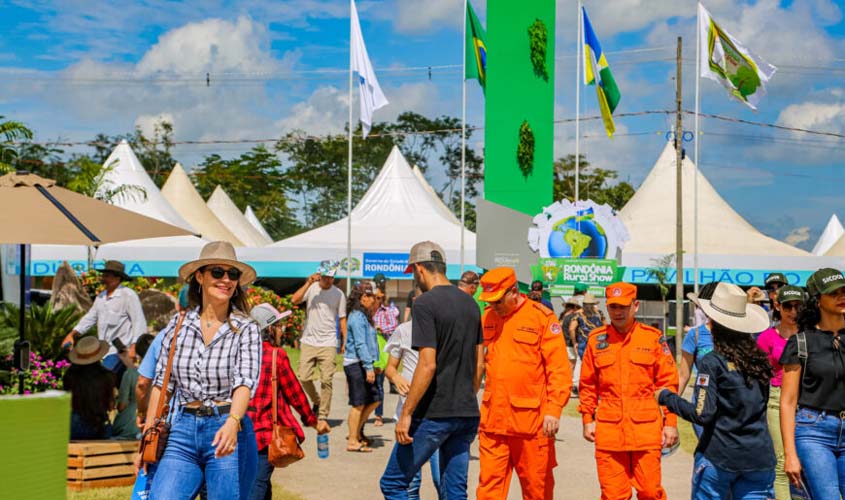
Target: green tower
{"points": [[519, 105]]}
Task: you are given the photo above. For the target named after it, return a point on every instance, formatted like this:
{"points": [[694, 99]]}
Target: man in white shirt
{"points": [[118, 315], [326, 306]]}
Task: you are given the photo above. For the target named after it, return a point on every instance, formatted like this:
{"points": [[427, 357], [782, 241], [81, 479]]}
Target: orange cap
{"points": [[620, 293], [496, 282]]}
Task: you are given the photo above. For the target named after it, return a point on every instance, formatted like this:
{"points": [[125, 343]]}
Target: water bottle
{"points": [[323, 445]]}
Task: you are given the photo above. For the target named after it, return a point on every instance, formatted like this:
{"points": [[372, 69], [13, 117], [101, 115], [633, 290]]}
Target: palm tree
{"points": [[10, 131]]}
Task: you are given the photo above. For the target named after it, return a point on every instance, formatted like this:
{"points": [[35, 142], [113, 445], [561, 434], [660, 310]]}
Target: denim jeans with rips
{"points": [[189, 461], [452, 436], [820, 444]]}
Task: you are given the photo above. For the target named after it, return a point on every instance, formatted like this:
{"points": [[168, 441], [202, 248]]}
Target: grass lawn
{"points": [[123, 493]]}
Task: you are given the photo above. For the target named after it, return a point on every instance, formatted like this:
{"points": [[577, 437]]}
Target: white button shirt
{"points": [[119, 316]]}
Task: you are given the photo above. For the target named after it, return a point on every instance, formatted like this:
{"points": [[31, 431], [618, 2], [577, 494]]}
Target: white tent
{"points": [[650, 219], [252, 219], [837, 249], [225, 209], [180, 192], [127, 170], [831, 234], [398, 210]]}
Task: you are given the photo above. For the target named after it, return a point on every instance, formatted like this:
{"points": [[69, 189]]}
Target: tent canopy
{"points": [[650, 218], [225, 209], [399, 209], [126, 170], [180, 192], [831, 234], [253, 219]]}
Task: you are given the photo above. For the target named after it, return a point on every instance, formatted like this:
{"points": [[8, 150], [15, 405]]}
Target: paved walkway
{"points": [[355, 476]]}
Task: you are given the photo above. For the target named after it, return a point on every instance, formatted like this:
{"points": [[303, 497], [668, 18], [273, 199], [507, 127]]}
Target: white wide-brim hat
{"points": [[729, 307], [218, 252]]}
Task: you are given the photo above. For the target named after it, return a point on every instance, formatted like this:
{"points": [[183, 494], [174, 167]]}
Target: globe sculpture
{"points": [[578, 239]]}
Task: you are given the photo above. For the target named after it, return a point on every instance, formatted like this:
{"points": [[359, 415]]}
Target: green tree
{"points": [[660, 269], [255, 178], [11, 131], [154, 152], [89, 178], [594, 183]]}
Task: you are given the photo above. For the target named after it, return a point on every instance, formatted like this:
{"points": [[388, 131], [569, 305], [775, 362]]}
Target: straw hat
{"points": [[88, 350], [729, 307], [218, 252], [590, 299]]}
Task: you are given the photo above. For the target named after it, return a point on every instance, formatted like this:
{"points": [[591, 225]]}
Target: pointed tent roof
{"points": [[180, 192], [398, 210], [127, 170], [436, 200], [650, 217], [225, 209], [251, 217], [837, 249], [831, 234]]}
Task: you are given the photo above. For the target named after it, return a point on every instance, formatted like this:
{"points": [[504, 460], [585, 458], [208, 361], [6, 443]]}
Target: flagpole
{"points": [[349, 170], [463, 137], [695, 145], [578, 55]]}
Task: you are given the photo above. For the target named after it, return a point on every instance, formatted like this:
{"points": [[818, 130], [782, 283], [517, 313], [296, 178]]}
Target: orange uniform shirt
{"points": [[619, 375], [527, 370]]}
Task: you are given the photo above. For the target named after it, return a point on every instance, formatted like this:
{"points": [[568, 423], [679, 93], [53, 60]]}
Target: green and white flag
{"points": [[725, 60]]}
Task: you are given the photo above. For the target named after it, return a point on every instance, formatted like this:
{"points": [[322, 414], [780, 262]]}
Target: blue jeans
{"points": [[189, 460], [380, 387], [262, 488], [820, 443], [414, 488], [82, 430], [452, 436], [712, 483]]}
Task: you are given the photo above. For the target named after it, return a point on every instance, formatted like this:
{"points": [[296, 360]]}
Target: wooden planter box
{"points": [[100, 464]]}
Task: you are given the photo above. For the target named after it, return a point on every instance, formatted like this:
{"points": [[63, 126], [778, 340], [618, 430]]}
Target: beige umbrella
{"points": [[33, 210]]}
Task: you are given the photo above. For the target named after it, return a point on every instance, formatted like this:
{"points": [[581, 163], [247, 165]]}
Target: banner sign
{"points": [[392, 265], [561, 275]]}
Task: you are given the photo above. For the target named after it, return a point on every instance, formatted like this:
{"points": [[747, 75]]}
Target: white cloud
{"points": [[414, 16], [147, 123], [815, 115], [798, 235]]}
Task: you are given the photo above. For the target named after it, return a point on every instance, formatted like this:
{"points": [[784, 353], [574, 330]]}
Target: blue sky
{"points": [[74, 68]]}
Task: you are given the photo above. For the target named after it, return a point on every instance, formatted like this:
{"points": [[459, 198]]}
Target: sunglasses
{"points": [[788, 306], [218, 273], [773, 287]]}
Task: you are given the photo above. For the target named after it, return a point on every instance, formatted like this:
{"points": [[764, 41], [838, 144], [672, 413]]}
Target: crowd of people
{"points": [[767, 405]]}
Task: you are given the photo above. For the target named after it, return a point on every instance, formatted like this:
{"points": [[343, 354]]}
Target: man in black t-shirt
{"points": [[441, 409]]}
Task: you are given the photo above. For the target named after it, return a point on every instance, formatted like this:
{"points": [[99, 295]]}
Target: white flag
{"points": [[725, 60], [371, 96]]}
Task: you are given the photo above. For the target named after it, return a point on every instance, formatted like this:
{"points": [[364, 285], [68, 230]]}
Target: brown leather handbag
{"points": [[284, 446], [154, 439]]}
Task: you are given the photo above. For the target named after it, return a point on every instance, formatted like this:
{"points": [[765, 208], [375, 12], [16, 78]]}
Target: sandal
{"points": [[362, 448], [379, 422]]}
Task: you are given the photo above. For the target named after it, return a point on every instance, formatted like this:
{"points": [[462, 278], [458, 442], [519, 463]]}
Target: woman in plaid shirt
{"points": [[290, 393], [215, 371]]}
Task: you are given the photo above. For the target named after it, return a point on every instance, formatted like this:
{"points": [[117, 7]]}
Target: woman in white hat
{"points": [[91, 387], [216, 367], [734, 457]]}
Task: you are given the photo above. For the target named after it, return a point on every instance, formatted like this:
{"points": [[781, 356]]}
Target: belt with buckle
{"points": [[206, 411]]}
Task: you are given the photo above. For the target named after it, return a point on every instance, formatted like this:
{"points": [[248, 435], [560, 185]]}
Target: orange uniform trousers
{"points": [[533, 458], [622, 471]]}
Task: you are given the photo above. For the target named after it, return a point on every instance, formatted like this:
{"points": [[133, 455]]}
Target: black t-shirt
{"points": [[447, 319], [823, 381]]}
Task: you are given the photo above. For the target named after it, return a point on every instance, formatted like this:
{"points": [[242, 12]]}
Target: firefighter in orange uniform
{"points": [[527, 385], [625, 362]]}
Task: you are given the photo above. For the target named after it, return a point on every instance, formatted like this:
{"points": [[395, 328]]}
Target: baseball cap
{"points": [[266, 315], [790, 293], [620, 293], [825, 281], [581, 288], [327, 271], [776, 278], [425, 251], [470, 278], [496, 282]]}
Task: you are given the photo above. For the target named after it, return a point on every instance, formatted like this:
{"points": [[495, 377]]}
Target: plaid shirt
{"points": [[386, 319], [290, 394], [211, 372]]}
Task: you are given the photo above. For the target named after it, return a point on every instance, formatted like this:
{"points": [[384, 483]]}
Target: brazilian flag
{"points": [[475, 60]]}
